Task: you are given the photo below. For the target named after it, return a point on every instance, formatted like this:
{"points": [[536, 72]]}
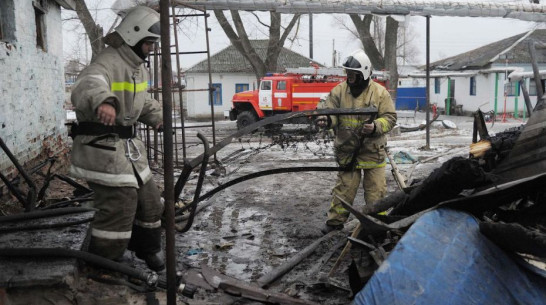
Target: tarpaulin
{"points": [[444, 259]]}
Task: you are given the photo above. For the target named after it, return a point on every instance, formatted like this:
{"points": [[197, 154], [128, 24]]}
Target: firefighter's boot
{"points": [[146, 243]]}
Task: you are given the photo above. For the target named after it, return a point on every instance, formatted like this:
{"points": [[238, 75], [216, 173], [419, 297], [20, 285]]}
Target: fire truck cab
{"points": [[282, 93]]}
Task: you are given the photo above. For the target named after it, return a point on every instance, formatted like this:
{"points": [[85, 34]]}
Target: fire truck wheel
{"points": [[245, 118]]}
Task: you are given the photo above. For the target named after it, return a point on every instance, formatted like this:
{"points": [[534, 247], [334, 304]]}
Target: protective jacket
{"points": [[349, 142], [117, 74]]}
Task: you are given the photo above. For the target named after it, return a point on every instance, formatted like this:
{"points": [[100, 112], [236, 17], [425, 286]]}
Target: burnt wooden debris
{"points": [[66, 231]]}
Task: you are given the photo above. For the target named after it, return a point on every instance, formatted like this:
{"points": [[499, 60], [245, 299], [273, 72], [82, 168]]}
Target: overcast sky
{"points": [[449, 35]]}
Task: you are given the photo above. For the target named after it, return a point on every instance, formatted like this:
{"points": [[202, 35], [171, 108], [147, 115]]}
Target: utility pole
{"points": [[333, 52]]}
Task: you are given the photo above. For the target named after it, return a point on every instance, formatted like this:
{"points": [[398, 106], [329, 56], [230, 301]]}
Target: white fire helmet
{"points": [[140, 22], [359, 61]]}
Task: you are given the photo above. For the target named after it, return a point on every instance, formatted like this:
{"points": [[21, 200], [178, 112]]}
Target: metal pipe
{"points": [[257, 175], [526, 97], [179, 76], [31, 196], [156, 97], [536, 73], [427, 145], [190, 165], [166, 78], [44, 213], [210, 84], [199, 185], [13, 190], [519, 10], [289, 264]]}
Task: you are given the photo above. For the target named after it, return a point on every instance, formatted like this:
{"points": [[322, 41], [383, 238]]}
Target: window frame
{"points": [[242, 86], [269, 82], [510, 88], [473, 85], [40, 11], [7, 21], [278, 85], [437, 85], [532, 87], [216, 94]]}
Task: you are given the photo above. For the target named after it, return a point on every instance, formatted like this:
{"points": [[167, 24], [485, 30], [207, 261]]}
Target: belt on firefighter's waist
{"points": [[97, 129]]}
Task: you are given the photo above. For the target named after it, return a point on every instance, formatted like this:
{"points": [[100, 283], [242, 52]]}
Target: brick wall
{"points": [[32, 93]]}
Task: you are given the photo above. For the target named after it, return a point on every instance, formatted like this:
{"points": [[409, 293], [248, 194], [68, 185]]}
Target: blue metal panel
{"points": [[410, 98], [444, 259]]}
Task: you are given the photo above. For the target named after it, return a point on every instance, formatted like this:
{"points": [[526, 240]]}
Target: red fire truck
{"points": [[278, 93], [297, 90]]}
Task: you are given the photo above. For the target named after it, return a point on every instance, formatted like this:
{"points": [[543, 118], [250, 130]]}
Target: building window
{"points": [[241, 87], [217, 94], [7, 21], [437, 85], [510, 89], [472, 85], [39, 17], [281, 85], [533, 86]]}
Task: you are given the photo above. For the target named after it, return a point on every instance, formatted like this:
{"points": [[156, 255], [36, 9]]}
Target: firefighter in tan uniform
{"points": [[110, 98], [358, 144]]}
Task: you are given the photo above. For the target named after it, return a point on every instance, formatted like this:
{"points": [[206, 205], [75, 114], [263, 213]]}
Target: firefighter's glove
{"points": [[323, 121], [368, 129]]}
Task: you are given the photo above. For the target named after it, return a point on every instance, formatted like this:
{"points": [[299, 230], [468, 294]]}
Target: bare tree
{"points": [[239, 39], [373, 45], [93, 30], [407, 50]]}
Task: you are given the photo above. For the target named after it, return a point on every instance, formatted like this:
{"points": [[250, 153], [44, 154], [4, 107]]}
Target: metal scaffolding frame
{"points": [[154, 141]]}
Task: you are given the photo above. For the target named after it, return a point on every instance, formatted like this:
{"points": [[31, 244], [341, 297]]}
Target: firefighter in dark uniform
{"points": [[358, 143], [110, 97]]}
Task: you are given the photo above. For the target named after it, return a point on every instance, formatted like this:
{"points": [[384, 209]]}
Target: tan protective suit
{"points": [[366, 150], [117, 168]]}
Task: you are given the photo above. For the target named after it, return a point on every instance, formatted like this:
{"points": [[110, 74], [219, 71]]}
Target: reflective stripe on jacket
{"points": [[116, 73], [348, 127]]}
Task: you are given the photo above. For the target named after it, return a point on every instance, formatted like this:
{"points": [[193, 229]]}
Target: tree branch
{"points": [[259, 21], [363, 29]]}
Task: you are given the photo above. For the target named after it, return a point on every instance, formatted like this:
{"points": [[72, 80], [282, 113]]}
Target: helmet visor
{"points": [[352, 63], [155, 29]]}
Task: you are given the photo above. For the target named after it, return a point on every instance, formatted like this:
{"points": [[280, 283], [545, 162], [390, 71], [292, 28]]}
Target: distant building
{"points": [[32, 80], [71, 71], [480, 78], [231, 73]]}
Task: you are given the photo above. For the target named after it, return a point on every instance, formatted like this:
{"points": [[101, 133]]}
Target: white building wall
{"points": [[485, 98], [32, 87], [198, 101]]}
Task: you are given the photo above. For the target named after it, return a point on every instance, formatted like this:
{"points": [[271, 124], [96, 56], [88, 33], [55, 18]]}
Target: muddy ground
{"points": [[248, 229]]}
